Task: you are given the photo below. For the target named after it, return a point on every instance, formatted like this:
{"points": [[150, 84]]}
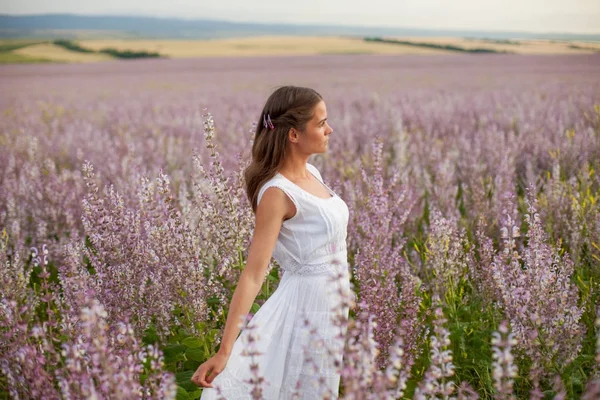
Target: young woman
{"points": [[302, 223]]}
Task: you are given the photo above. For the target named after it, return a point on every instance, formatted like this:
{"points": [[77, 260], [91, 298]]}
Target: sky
{"points": [[564, 16]]}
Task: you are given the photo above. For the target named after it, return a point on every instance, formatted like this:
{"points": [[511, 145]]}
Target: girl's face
{"points": [[315, 137]]}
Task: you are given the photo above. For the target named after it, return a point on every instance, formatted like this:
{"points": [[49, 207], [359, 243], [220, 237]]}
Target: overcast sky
{"points": [[576, 16]]}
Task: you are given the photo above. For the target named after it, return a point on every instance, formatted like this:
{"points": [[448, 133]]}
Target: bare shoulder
{"points": [[274, 205], [270, 213], [272, 196]]}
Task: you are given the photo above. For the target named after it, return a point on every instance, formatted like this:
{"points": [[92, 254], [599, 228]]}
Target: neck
{"points": [[294, 166]]}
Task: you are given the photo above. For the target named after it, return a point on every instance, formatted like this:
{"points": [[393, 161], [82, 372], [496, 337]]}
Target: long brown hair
{"points": [[289, 107]]}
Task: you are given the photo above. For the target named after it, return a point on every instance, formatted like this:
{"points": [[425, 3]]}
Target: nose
{"points": [[330, 130]]}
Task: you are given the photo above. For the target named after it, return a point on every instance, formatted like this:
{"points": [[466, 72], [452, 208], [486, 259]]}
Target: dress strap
{"points": [[312, 169]]}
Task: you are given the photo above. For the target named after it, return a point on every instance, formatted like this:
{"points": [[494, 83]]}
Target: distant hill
{"points": [[77, 26]]}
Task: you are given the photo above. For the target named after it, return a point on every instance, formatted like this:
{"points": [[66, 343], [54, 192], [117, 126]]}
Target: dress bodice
{"points": [[314, 240]]}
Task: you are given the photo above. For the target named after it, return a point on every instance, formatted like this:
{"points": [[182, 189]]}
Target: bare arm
{"points": [[273, 208], [271, 211]]}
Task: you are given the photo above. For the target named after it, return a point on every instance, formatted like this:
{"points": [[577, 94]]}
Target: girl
{"points": [[302, 223]]}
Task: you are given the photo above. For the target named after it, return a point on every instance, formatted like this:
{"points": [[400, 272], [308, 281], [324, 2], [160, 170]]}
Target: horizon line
{"points": [[495, 31]]}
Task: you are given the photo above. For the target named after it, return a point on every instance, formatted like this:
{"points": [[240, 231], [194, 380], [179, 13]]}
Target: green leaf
{"points": [[196, 394], [183, 379], [192, 342], [255, 307], [179, 336], [190, 364], [201, 326], [171, 350], [182, 394], [196, 354]]}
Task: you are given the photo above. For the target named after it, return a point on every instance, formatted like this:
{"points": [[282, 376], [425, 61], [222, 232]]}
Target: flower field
{"points": [[474, 235]]}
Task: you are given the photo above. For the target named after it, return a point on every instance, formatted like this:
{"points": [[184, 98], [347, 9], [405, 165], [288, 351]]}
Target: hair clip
{"points": [[267, 122]]}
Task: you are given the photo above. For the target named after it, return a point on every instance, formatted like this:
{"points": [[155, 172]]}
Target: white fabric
{"points": [[307, 246]]}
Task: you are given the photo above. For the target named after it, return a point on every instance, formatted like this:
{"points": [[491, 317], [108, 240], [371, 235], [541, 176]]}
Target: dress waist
{"points": [[332, 264]]}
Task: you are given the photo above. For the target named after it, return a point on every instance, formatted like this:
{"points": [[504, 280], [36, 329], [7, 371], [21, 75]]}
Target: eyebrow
{"points": [[324, 119]]}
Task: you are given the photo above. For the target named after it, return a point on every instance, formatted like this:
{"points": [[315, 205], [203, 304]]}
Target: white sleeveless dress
{"points": [[311, 247]]}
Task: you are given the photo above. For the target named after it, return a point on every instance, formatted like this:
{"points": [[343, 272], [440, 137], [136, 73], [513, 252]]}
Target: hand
{"points": [[214, 365]]}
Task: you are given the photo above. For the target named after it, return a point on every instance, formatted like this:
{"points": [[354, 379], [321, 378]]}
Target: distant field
{"points": [[8, 54], [257, 46], [23, 51], [9, 57], [57, 53], [285, 45], [516, 46], [14, 44]]}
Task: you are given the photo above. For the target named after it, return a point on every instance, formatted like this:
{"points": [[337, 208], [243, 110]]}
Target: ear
{"points": [[293, 135]]}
